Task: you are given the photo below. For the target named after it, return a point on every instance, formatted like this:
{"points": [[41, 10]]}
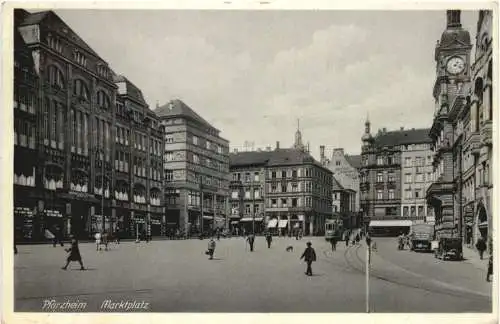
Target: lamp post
{"points": [[98, 150], [253, 209]]}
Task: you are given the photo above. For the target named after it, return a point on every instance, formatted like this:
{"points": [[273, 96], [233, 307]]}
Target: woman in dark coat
{"points": [[74, 254]]}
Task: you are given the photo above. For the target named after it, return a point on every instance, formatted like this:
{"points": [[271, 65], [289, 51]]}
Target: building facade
{"points": [[381, 172], [296, 190], [452, 55], [196, 167], [462, 131], [416, 177], [73, 191], [345, 186]]}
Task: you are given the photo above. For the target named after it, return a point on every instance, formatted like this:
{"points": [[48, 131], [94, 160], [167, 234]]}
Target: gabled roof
{"points": [[394, 138], [278, 157], [336, 185], [354, 160], [177, 108], [132, 90], [37, 18]]}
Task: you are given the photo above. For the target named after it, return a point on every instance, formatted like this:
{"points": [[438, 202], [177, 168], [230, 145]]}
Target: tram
{"points": [[333, 229]]}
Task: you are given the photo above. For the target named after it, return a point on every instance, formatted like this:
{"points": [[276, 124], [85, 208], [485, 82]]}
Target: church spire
{"points": [[298, 138]]}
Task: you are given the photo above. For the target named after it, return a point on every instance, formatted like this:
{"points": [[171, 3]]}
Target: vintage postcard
{"points": [[231, 157]]}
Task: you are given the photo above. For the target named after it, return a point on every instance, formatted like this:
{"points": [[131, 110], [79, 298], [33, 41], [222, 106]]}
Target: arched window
{"points": [[103, 100], [478, 91], [80, 89], [55, 77]]}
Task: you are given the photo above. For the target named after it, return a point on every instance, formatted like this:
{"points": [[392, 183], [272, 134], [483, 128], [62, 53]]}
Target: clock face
{"points": [[455, 65]]}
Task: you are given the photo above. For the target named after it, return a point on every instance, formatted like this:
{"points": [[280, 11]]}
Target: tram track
{"points": [[425, 284]]}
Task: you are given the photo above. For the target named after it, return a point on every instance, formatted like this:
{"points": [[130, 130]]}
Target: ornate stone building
{"points": [[196, 166], [74, 189], [452, 57]]}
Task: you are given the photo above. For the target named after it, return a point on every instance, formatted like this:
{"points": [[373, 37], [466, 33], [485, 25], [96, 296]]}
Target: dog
{"points": [[289, 248]]}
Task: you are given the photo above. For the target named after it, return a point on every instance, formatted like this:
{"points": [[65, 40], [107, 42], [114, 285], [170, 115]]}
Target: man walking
{"points": [[333, 242], [269, 239], [309, 256], [481, 247], [211, 248], [346, 238], [251, 240]]}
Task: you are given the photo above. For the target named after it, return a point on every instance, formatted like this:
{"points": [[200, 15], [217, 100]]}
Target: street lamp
{"points": [[98, 150]]}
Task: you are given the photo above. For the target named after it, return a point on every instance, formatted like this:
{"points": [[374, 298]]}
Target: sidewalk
{"points": [[472, 256]]}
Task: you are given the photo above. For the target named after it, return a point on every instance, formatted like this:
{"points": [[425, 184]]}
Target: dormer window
{"points": [[80, 58], [103, 100], [55, 43], [102, 70]]}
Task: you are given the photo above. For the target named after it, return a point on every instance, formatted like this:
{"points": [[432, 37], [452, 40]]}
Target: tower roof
{"points": [[454, 31]]}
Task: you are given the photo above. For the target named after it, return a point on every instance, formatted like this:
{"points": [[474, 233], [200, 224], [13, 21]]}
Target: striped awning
{"points": [[272, 223], [283, 223]]}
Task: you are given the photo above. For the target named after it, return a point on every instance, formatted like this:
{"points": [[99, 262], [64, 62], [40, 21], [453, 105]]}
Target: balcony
{"points": [[486, 133], [473, 143], [439, 188]]}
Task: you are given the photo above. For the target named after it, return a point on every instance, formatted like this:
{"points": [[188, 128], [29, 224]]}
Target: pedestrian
{"points": [[74, 254], [358, 238], [309, 256], [218, 234], [333, 242], [346, 238], [481, 247], [269, 239], [251, 241], [490, 268], [211, 248], [97, 237], [368, 240]]}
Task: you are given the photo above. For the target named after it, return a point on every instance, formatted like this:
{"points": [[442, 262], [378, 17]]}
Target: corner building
{"points": [[196, 167], [73, 191]]}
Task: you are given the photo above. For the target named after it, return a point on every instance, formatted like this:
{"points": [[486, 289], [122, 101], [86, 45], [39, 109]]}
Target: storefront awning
{"points": [[249, 219], [234, 222], [272, 223], [283, 223], [390, 223]]}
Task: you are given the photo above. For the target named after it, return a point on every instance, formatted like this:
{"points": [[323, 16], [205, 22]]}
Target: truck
{"points": [[421, 237]]}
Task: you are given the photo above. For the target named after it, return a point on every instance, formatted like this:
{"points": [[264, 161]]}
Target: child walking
{"points": [[74, 254]]}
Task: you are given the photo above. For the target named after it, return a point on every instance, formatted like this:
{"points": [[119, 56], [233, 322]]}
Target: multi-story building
{"points": [[297, 189], [73, 191], [380, 175], [196, 166], [462, 131], [417, 169], [345, 185], [139, 140], [452, 55]]}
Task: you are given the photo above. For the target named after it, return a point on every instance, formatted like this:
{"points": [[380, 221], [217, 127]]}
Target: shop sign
{"points": [[155, 222]]}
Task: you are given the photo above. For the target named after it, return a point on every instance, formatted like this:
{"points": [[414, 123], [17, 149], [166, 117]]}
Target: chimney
{"points": [[268, 149], [322, 154], [277, 145], [402, 128], [157, 104], [235, 150], [384, 130]]}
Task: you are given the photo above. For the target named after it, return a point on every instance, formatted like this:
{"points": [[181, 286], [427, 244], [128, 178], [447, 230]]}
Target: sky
{"points": [[253, 74]]}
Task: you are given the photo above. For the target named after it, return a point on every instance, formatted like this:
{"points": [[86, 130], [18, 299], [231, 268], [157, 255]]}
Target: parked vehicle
{"points": [[421, 237], [449, 248]]}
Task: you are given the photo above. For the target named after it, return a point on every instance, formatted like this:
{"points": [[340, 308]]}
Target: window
{"points": [[419, 161], [283, 188], [169, 175], [256, 176], [273, 174], [337, 163], [408, 178], [380, 194], [412, 211], [247, 209], [294, 202], [420, 211], [256, 193], [294, 174], [56, 77], [273, 188], [247, 194], [405, 211], [234, 195], [80, 90], [391, 177], [103, 100], [283, 174], [391, 193], [408, 162], [294, 187], [80, 58], [169, 156], [195, 140], [380, 160], [247, 177], [283, 202], [274, 202], [380, 177], [235, 176], [408, 194], [419, 177], [169, 138], [390, 160], [196, 159]]}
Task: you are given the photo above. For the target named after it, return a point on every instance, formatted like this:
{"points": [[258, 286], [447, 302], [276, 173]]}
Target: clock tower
{"points": [[452, 56]]}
